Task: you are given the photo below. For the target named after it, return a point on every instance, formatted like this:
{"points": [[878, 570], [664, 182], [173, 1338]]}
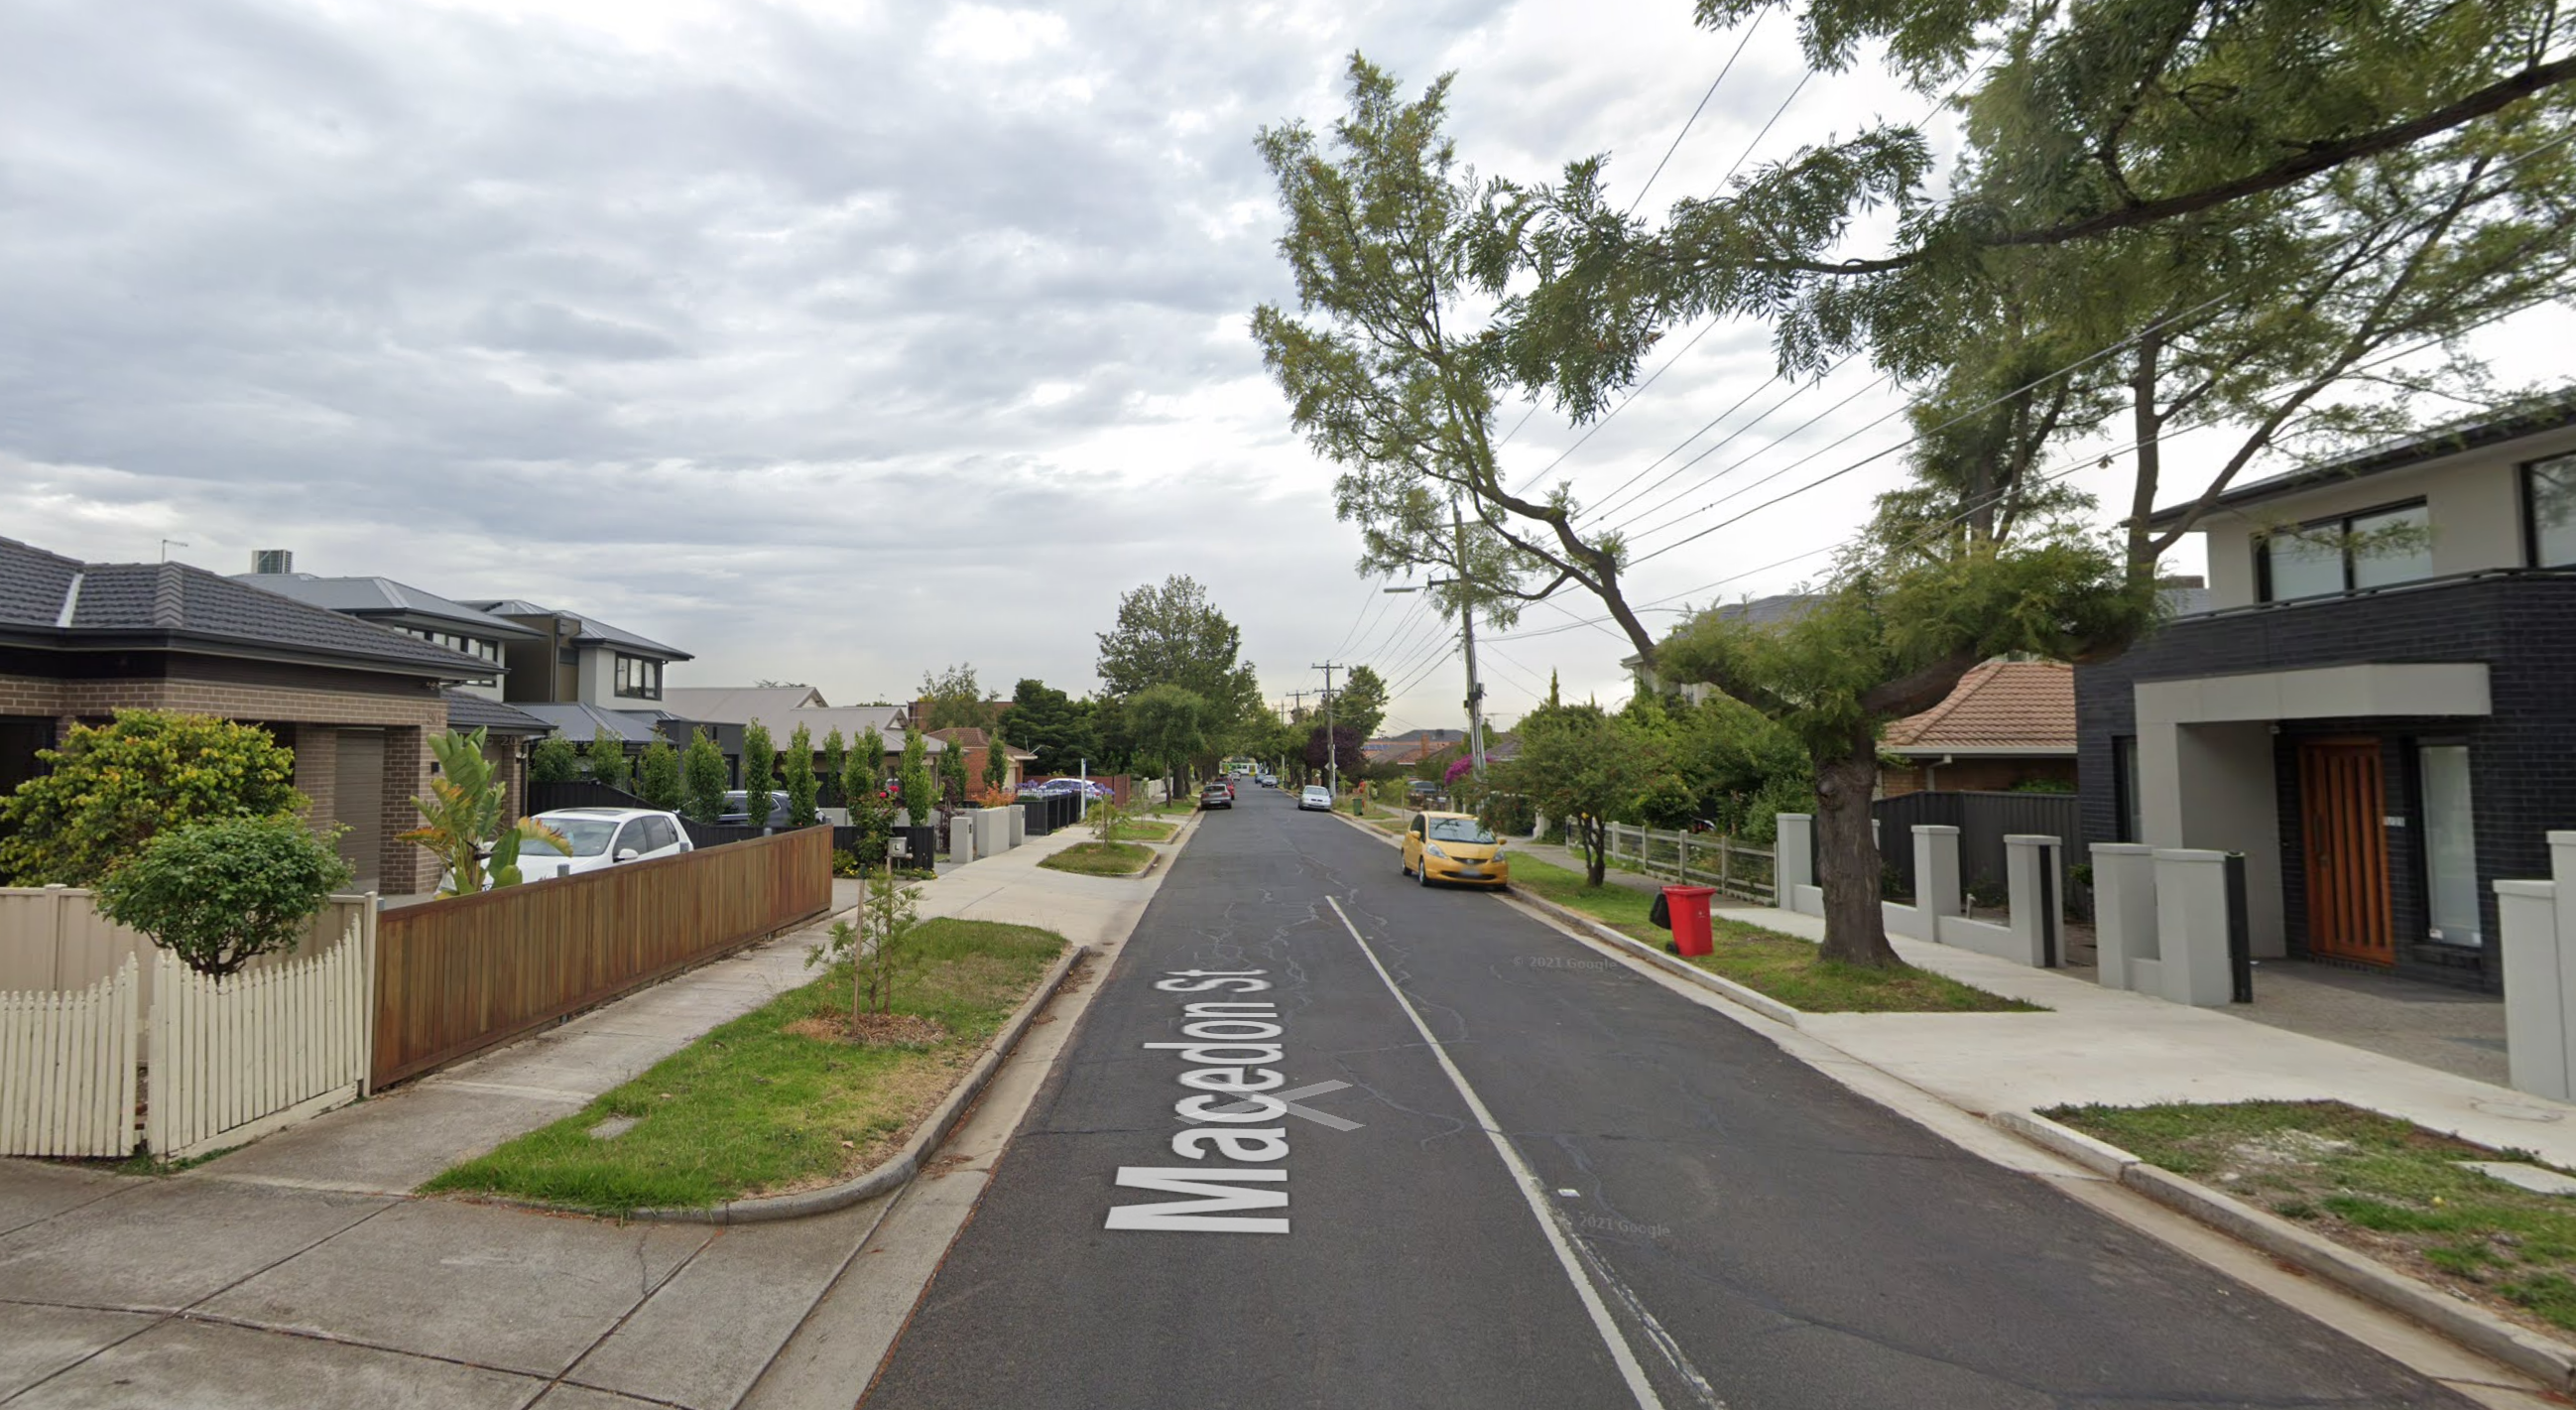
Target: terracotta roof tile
{"points": [[1997, 705]]}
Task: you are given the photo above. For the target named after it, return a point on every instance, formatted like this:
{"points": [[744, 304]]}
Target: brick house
{"points": [[356, 702], [2375, 708], [977, 745], [2005, 725]]}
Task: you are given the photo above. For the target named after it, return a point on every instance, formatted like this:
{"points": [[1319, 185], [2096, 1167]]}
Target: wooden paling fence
{"points": [[235, 1058], [67, 1062], [454, 977]]}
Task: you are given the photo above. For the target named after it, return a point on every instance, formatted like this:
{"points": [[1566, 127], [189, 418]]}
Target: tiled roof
{"points": [[2000, 705], [466, 710], [54, 597]]}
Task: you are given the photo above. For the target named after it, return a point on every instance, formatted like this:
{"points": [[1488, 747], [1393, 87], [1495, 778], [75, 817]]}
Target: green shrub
{"points": [[113, 788], [702, 779], [605, 760], [657, 775], [218, 894], [802, 785], [759, 768], [554, 760]]}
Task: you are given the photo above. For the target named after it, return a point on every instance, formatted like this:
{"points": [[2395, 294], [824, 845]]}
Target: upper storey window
{"points": [[2549, 507], [639, 677], [2348, 553]]}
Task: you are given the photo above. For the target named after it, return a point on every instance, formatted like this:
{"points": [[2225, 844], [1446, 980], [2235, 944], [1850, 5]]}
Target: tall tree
{"points": [[702, 778], [1361, 704], [1174, 728], [759, 767], [952, 699], [1173, 635], [605, 760], [836, 761], [1052, 725]]}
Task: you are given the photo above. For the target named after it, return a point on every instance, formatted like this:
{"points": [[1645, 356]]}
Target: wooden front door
{"points": [[2343, 804]]}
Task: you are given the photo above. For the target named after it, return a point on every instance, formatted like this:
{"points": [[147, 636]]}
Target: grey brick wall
{"points": [[2522, 757]]}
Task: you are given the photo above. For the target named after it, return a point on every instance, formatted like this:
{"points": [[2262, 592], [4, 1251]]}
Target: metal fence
{"points": [[1738, 869], [456, 976], [1983, 820]]}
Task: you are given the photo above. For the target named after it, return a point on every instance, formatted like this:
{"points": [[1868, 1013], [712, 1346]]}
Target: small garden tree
{"points": [[605, 760], [802, 786], [759, 768], [702, 779], [462, 816], [221, 893], [1587, 766], [915, 777], [657, 775], [867, 763], [111, 788], [554, 760], [876, 940], [952, 774], [836, 763], [997, 767]]}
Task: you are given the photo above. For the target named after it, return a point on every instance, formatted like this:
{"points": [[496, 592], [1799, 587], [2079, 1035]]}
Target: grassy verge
{"points": [[1100, 859], [1136, 831], [2384, 1187], [1778, 966], [775, 1100]]}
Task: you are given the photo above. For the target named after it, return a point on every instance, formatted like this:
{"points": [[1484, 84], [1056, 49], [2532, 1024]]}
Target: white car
{"points": [[602, 838], [1316, 797]]}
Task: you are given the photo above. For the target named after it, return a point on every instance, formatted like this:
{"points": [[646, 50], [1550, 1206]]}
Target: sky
{"points": [[839, 342]]}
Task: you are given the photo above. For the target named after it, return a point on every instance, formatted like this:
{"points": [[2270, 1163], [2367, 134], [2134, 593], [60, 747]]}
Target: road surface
{"points": [[1703, 1220]]}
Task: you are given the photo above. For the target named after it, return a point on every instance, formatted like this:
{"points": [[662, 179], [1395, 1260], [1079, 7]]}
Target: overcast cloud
{"points": [[828, 342]]}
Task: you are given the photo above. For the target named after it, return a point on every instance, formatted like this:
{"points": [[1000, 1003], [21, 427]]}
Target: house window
{"points": [[2549, 507], [484, 647], [2450, 844], [639, 678], [2348, 553]]}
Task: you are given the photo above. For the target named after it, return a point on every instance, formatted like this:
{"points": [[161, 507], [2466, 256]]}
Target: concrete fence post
{"points": [[2124, 915], [2191, 926], [2031, 880], [961, 839], [1936, 874], [1793, 867], [2535, 985]]}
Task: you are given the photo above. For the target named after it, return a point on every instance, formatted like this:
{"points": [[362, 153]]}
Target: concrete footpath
{"points": [[301, 1271], [2124, 1049]]}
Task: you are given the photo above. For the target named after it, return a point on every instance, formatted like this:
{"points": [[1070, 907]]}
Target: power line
{"points": [[1634, 514], [1695, 112]]}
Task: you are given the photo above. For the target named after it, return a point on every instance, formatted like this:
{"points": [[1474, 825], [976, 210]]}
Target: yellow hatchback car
{"points": [[1454, 847]]}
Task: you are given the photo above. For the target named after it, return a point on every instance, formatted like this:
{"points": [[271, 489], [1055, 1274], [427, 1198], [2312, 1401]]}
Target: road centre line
{"points": [[1522, 1176]]}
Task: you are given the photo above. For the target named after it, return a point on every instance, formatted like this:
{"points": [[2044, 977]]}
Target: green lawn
{"points": [[2384, 1186], [1141, 831], [1778, 966], [1100, 859], [766, 1103]]}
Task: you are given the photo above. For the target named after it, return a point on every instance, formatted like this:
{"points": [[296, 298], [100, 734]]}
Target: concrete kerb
{"points": [[2545, 1358], [898, 1172], [1719, 985]]}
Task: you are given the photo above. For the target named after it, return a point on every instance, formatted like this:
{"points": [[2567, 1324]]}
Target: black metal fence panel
{"points": [[1983, 820], [579, 793]]}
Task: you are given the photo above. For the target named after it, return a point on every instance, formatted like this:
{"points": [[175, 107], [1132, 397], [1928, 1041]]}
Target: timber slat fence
{"points": [[454, 977], [1737, 869], [67, 1068]]}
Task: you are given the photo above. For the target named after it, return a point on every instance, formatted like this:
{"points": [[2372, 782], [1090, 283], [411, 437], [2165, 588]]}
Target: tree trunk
{"points": [[1596, 848], [1847, 866]]}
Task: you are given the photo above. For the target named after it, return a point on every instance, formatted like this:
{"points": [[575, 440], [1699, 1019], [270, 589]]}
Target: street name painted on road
{"points": [[1233, 1043]]}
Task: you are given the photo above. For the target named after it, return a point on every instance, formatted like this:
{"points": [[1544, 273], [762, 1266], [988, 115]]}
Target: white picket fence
{"points": [[67, 1064], [236, 1058], [201, 1062]]}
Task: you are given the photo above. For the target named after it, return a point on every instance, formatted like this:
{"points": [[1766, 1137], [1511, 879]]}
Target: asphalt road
{"points": [[1723, 1225]]}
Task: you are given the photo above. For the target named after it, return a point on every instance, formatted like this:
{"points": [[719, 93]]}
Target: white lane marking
{"points": [[1602, 1322], [1320, 1118]]}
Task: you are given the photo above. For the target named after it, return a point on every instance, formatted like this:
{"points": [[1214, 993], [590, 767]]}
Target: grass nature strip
{"points": [[1100, 859], [768, 1102], [2377, 1184], [1781, 967], [1141, 831]]}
